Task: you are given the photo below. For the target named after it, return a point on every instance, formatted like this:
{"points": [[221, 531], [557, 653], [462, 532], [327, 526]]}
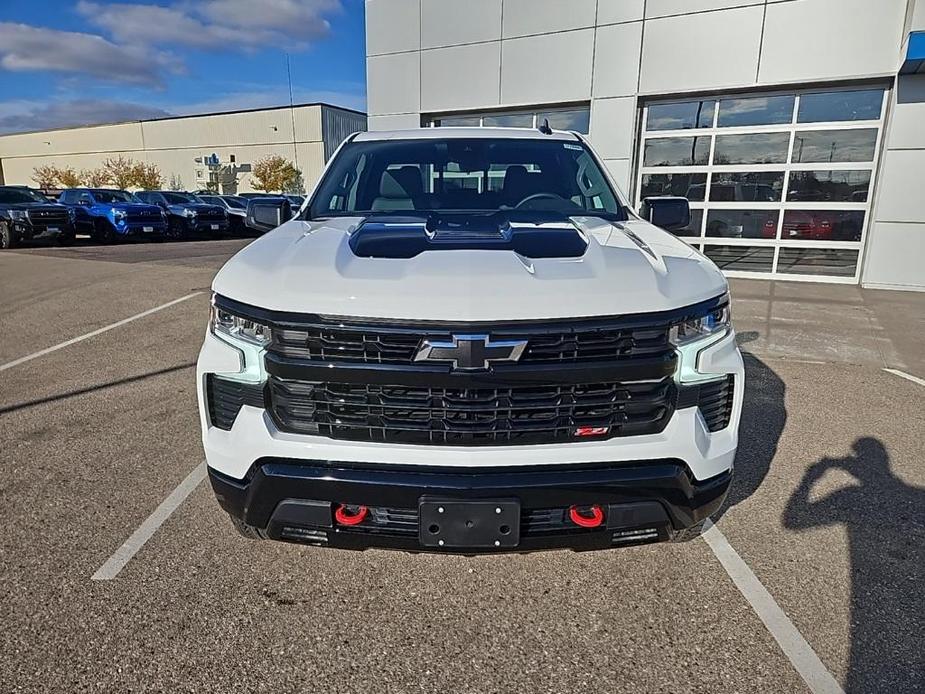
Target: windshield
{"points": [[12, 197], [479, 174], [239, 203], [179, 198], [114, 196]]}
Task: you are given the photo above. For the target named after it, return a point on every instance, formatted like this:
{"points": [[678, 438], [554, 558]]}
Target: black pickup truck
{"points": [[27, 215]]}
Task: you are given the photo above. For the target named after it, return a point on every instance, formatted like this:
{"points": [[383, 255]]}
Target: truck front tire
{"points": [[245, 530], [103, 232], [8, 236]]}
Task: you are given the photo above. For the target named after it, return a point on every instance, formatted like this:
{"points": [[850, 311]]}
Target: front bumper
{"points": [[142, 229], [294, 500], [38, 232]]}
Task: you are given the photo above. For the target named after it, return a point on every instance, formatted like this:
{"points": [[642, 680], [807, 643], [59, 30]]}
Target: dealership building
{"points": [[212, 150], [796, 128]]}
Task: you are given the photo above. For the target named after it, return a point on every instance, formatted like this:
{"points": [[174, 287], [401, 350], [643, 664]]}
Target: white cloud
{"points": [[228, 24], [18, 116], [28, 48]]}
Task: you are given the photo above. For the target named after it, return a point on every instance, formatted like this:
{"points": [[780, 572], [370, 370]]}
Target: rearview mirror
{"points": [[264, 214], [668, 212]]}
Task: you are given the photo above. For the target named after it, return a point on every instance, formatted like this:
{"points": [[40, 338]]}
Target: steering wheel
{"points": [[538, 196]]}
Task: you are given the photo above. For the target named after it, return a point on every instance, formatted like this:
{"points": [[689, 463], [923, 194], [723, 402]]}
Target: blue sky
{"points": [[72, 62]]}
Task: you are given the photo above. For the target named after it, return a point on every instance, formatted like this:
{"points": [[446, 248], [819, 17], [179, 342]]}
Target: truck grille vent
{"points": [[470, 416], [383, 346], [48, 216], [225, 397], [715, 402]]}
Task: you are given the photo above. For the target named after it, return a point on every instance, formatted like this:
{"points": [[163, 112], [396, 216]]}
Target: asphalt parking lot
{"points": [[811, 581]]}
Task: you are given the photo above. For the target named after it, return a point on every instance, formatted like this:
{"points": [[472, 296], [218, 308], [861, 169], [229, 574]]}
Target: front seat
{"points": [[399, 189]]}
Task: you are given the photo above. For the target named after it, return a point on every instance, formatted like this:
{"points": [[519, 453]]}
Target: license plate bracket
{"points": [[481, 523], [214, 227], [147, 230]]}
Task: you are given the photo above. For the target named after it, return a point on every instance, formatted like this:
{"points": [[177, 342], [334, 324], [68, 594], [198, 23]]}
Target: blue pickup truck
{"points": [[109, 215]]}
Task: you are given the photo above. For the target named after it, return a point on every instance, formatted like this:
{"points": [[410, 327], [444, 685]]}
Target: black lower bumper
{"points": [[647, 501]]}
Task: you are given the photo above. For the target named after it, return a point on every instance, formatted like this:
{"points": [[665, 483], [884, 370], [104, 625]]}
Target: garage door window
{"points": [[779, 184]]}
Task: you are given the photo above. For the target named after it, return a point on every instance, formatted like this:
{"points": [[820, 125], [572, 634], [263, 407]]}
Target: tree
{"points": [[274, 174], [68, 178], [121, 171], [95, 178], [45, 176], [146, 176], [175, 182]]}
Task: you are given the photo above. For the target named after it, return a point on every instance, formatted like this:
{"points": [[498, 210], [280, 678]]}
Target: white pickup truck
{"points": [[466, 341]]}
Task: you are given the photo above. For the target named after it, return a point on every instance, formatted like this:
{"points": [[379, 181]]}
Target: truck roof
{"points": [[460, 133]]}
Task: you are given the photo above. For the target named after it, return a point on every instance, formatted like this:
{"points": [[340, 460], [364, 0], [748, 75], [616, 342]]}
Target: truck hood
{"points": [[135, 207], [628, 267], [33, 205]]}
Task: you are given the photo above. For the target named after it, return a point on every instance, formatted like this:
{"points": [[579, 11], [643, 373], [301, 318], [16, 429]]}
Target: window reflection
{"points": [[578, 120], [686, 185], [575, 118], [458, 121], [692, 229], [823, 225], [840, 106], [834, 145], [828, 186], [757, 148], [676, 151], [682, 116], [758, 110], [818, 261], [764, 186], [508, 120], [744, 258], [739, 224]]}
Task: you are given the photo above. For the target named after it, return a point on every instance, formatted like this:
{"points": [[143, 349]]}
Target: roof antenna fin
{"points": [[544, 128]]}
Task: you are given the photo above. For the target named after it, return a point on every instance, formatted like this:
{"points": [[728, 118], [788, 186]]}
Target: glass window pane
{"points": [[760, 148], [818, 261], [578, 120], [457, 121], [692, 229], [823, 225], [509, 120], [739, 224], [828, 186], [764, 186], [760, 110], [676, 151], [748, 258], [687, 185], [834, 145], [690, 114], [835, 106]]}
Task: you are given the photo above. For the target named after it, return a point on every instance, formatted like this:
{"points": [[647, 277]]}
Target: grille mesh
{"points": [[715, 402], [225, 398], [470, 416]]}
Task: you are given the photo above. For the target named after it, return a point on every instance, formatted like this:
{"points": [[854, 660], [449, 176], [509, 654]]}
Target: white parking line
{"points": [[67, 343], [800, 654], [111, 568], [908, 377]]}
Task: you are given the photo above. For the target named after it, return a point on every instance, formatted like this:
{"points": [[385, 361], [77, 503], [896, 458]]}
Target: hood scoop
{"points": [[529, 234]]}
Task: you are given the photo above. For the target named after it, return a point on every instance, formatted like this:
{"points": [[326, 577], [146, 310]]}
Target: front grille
{"points": [[404, 522], [470, 416], [225, 397], [215, 216], [143, 217], [48, 217], [550, 345], [715, 402]]}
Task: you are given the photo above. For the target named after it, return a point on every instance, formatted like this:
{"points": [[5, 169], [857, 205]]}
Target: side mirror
{"points": [[264, 214], [668, 212]]}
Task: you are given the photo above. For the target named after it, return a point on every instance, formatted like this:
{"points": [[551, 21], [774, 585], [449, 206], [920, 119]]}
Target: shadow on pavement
{"points": [[884, 519], [763, 419]]}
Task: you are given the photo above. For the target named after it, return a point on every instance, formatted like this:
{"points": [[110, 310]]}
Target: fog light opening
{"points": [[586, 516], [347, 514]]}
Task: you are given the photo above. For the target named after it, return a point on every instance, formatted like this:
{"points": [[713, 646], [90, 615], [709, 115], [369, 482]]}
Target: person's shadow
{"points": [[885, 521]]}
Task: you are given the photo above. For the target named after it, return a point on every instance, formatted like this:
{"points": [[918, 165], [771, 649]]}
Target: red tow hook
{"points": [[585, 521], [346, 514]]}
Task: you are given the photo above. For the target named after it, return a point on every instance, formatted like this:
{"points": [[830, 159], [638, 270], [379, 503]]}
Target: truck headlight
{"points": [[118, 215], [18, 215], [701, 327], [189, 214], [224, 322]]}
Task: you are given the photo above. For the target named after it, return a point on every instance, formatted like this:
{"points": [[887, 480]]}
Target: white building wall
{"points": [[614, 53], [174, 144]]}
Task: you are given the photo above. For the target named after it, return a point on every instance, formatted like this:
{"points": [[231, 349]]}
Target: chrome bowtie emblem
{"points": [[471, 352]]}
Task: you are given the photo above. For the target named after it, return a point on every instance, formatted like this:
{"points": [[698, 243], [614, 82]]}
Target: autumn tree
{"points": [[175, 182], [274, 174], [146, 176], [120, 171], [95, 178], [45, 176], [68, 178]]}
